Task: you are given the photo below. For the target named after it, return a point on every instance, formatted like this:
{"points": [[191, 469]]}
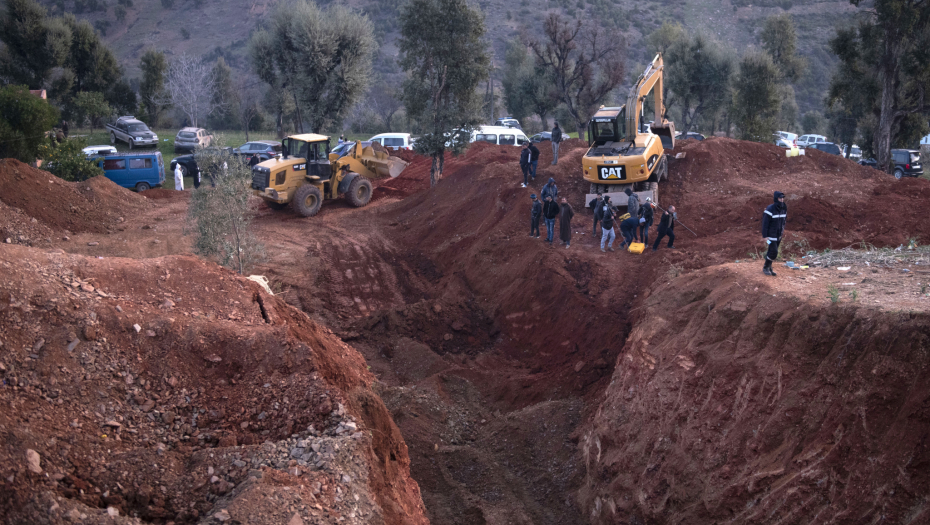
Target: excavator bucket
{"points": [[666, 133], [387, 166]]}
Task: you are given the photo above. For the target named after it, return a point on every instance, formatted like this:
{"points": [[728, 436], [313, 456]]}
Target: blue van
{"points": [[134, 170]]}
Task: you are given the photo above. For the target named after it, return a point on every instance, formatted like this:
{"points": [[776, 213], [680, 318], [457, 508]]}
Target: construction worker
{"points": [[565, 222], [666, 227], [647, 213], [773, 228], [556, 139], [628, 230], [632, 204], [607, 224], [550, 212], [535, 213], [525, 164], [596, 204], [534, 160]]}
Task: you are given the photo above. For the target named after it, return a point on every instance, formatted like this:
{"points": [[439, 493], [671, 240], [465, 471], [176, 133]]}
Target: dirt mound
{"points": [[95, 205], [244, 405], [733, 401]]}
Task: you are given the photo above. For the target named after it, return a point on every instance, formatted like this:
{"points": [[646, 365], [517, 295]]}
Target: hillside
{"points": [[214, 28]]}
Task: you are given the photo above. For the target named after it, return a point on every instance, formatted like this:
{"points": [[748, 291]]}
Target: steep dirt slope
{"points": [[171, 390], [737, 400]]}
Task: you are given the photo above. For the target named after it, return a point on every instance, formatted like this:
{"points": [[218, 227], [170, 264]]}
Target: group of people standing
{"points": [[550, 209], [634, 228]]}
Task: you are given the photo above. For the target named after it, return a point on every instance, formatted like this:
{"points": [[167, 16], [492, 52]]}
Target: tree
{"points": [[756, 102], [526, 88], [660, 40], [812, 122], [780, 40], [225, 98], [384, 100], [443, 51], [33, 44], [584, 63], [222, 216], [788, 113], [247, 107], [24, 119], [152, 91], [190, 85], [321, 57], [90, 106], [699, 73], [884, 69], [67, 160]]}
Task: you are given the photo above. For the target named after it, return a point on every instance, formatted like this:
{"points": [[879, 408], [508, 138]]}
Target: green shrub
{"points": [[65, 160]]}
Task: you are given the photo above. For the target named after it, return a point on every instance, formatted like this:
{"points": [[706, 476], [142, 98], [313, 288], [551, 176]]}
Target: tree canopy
{"points": [[33, 44], [24, 119], [152, 92], [527, 89], [756, 102], [699, 73], [780, 40], [444, 54]]}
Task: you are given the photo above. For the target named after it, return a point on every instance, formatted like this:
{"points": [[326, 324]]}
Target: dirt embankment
{"points": [[737, 400], [171, 390]]}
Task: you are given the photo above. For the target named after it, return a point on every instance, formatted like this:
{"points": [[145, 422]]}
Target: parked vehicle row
{"points": [[132, 131], [189, 139]]}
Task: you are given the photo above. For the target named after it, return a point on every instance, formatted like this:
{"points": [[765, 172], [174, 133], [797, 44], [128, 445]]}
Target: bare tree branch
{"points": [[190, 84]]}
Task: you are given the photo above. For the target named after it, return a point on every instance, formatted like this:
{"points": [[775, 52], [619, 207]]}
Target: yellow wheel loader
{"points": [[624, 152], [308, 172]]}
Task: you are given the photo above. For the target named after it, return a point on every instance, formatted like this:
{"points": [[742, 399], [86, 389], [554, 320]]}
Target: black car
{"points": [[827, 147], [189, 166], [540, 137], [872, 163], [906, 163], [265, 149]]}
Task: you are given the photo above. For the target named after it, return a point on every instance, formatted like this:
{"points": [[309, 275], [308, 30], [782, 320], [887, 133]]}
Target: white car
{"points": [[99, 151], [785, 139], [394, 140], [499, 135], [853, 152], [810, 140]]}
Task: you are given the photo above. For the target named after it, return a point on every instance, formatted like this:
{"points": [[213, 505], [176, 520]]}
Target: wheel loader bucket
{"points": [[666, 133], [378, 161]]}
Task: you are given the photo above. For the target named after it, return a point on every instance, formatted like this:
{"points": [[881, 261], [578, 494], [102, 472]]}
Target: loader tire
{"points": [[359, 193], [308, 200]]}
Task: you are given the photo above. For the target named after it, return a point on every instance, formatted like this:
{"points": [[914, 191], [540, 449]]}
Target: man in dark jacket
{"points": [[535, 213], [254, 161], [666, 227], [556, 138], [550, 212], [596, 204], [565, 222], [628, 230], [534, 160], [773, 228], [525, 165], [646, 212], [632, 204], [607, 224], [550, 190]]}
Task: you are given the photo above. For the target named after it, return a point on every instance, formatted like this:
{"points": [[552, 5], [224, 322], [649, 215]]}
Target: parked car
{"points": [[906, 163], [871, 162], [394, 140], [785, 139], [809, 140], [540, 137], [508, 122], [132, 131], [853, 152], [93, 152], [692, 135], [140, 171], [827, 147], [189, 166], [189, 139], [499, 135], [265, 149]]}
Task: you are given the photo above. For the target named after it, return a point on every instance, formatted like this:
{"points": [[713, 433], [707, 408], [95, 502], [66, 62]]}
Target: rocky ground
{"points": [[480, 362]]}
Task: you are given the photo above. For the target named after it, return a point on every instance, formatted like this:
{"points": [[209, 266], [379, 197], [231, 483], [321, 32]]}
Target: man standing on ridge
{"points": [[525, 165], [556, 138], [550, 212], [565, 222], [550, 190], [534, 160], [773, 228], [535, 213]]}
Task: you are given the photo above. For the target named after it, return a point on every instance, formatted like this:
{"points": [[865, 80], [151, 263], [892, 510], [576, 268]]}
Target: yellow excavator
{"points": [[308, 172], [623, 151]]}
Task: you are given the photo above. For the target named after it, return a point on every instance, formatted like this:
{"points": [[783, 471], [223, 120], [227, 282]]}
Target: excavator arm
{"points": [[651, 79]]}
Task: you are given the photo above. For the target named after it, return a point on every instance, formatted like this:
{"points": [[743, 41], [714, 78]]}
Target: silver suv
{"points": [[189, 139]]}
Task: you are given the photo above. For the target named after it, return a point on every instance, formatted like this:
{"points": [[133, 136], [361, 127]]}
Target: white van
{"points": [[394, 140], [499, 135], [810, 140]]}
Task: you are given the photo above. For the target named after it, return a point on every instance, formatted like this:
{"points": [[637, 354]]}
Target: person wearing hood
{"points": [[535, 213], [632, 204], [550, 190], [178, 177], [773, 228], [550, 212], [666, 227]]}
